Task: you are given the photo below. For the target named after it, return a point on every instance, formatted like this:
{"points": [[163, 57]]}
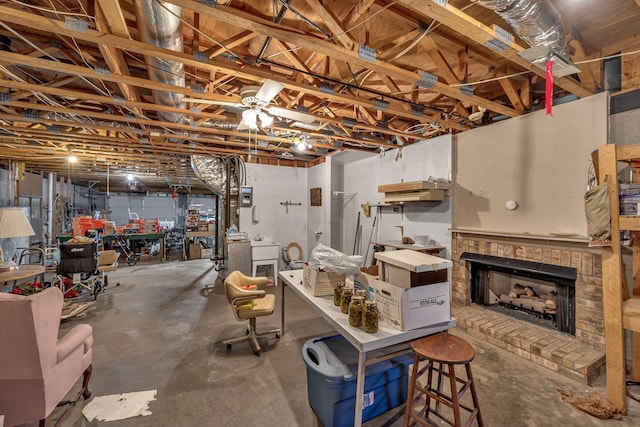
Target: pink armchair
{"points": [[36, 368]]}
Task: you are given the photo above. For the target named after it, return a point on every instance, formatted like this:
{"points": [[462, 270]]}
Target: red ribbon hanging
{"points": [[548, 93]]}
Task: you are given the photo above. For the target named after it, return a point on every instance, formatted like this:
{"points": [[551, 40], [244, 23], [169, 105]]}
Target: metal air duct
{"points": [[212, 171], [535, 21], [160, 25]]}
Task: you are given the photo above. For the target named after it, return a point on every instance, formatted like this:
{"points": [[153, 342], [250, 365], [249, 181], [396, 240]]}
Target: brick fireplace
{"points": [[580, 356]]}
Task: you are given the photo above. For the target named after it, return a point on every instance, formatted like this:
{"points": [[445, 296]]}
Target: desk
{"points": [[25, 271], [397, 244], [387, 341]]}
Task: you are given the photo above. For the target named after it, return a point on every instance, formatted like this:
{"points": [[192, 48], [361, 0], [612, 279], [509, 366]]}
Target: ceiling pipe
{"points": [[535, 21]]}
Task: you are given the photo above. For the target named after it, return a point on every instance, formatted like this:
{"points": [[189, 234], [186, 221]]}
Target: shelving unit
{"points": [[621, 310]]}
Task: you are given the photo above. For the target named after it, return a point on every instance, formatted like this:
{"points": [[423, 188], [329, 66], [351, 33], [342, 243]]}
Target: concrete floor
{"points": [[160, 330]]}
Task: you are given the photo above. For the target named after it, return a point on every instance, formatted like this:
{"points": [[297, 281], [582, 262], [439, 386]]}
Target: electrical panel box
{"points": [[246, 196]]}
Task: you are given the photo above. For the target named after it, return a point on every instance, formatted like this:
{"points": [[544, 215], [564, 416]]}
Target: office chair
{"points": [[247, 303]]}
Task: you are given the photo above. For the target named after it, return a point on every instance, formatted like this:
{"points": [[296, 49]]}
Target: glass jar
{"points": [[356, 308], [337, 293], [370, 317], [362, 293], [345, 300]]}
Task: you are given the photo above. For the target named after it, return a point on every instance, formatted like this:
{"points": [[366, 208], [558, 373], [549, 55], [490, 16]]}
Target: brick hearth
{"points": [[580, 357]]}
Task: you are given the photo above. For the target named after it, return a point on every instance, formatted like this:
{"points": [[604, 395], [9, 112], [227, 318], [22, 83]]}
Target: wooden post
{"points": [[611, 285]]}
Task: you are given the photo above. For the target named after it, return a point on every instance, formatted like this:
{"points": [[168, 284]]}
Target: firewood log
{"points": [[550, 302], [517, 290], [529, 292]]}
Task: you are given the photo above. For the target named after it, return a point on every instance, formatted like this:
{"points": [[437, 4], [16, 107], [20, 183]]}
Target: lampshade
{"points": [[14, 223]]}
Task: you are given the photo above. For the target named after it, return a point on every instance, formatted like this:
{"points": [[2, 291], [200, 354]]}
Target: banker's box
{"points": [[408, 308], [320, 283]]}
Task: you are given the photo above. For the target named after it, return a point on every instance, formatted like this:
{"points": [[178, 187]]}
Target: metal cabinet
{"points": [[239, 256]]}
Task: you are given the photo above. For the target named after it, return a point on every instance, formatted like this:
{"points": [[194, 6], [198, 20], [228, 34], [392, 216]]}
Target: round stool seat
{"points": [[443, 353], [444, 348]]}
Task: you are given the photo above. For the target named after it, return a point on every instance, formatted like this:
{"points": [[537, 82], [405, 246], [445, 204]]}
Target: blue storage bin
{"points": [[332, 368]]}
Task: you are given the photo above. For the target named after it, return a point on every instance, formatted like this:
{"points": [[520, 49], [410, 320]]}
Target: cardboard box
{"points": [[373, 270], [408, 279], [206, 253], [407, 268], [195, 251], [408, 308], [320, 283]]}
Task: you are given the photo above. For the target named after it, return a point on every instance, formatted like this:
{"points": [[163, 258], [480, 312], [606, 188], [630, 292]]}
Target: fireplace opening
{"points": [[542, 294]]}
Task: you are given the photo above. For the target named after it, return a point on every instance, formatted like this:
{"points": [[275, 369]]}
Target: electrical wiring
{"points": [[20, 36], [586, 61], [604, 58], [318, 28], [54, 10], [207, 36]]}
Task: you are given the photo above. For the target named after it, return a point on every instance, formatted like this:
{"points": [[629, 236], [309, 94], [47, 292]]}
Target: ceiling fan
{"points": [[255, 101]]}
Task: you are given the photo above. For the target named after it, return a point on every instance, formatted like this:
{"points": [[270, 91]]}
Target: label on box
{"points": [[368, 399]]}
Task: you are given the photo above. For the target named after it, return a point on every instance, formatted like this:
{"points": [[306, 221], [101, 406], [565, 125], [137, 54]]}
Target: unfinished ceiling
{"points": [[140, 86]]}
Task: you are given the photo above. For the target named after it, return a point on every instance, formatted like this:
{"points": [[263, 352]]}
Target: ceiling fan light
{"points": [[300, 147], [265, 119], [250, 119]]}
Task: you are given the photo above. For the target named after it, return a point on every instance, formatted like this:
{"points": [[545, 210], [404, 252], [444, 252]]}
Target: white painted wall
{"points": [[273, 185], [318, 217], [419, 161]]}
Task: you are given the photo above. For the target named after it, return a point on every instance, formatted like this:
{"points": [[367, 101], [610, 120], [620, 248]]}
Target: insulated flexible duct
{"points": [[535, 21], [161, 27], [212, 171]]}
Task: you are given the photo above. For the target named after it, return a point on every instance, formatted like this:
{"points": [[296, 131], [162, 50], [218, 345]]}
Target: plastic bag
{"points": [[328, 259], [596, 205]]}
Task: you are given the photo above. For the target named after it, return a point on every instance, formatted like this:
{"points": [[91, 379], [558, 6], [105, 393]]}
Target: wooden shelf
{"points": [[619, 314], [628, 222], [631, 314]]}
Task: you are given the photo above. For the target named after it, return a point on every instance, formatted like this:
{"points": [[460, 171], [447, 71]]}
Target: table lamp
{"points": [[13, 223]]}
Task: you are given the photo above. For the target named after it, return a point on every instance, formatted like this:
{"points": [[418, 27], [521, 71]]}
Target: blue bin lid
{"points": [[320, 355], [335, 358]]}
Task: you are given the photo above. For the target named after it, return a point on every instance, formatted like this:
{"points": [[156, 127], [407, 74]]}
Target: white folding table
{"points": [[386, 343]]}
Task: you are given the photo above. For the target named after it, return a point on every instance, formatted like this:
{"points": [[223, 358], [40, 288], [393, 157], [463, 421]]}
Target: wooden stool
{"points": [[449, 350]]}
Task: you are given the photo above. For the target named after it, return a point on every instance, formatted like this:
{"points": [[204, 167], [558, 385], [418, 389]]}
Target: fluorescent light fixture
{"points": [[539, 55]]}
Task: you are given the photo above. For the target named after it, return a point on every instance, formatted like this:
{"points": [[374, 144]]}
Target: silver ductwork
{"points": [[535, 21], [212, 171], [219, 124], [160, 25]]}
